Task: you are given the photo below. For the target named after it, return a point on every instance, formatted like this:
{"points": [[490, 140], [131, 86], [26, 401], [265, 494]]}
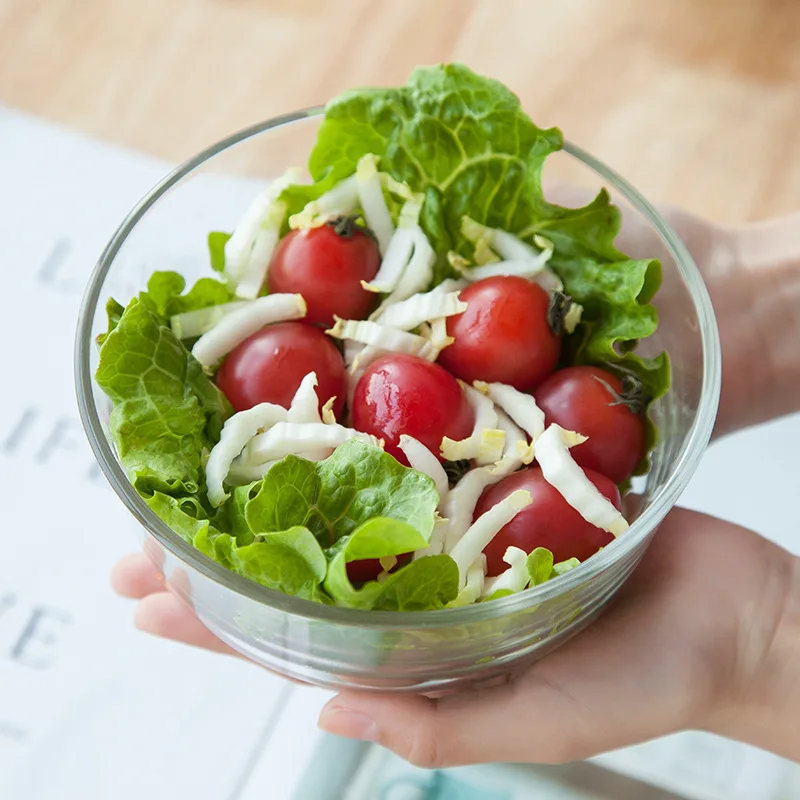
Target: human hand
{"points": [[688, 642]]}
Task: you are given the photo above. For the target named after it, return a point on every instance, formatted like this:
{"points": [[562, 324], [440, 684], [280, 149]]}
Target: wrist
{"points": [[753, 276], [762, 708]]}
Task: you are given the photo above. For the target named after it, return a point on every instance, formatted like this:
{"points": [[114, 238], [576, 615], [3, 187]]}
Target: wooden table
{"points": [[695, 101]]}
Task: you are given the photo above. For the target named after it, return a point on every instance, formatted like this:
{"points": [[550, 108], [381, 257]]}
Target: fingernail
{"points": [[347, 723]]}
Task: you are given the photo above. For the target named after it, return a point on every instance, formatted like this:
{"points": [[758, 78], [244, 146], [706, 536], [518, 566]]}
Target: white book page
{"points": [[89, 707]]}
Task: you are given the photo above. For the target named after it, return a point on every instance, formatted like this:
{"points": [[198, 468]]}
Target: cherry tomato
{"points": [[326, 265], [591, 401], [404, 394], [369, 568], [268, 366], [504, 335], [549, 521]]}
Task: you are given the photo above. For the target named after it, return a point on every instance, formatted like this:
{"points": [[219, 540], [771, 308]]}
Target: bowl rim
{"points": [[686, 464]]}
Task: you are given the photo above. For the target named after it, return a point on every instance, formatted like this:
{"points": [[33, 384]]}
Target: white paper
{"points": [[89, 707]]}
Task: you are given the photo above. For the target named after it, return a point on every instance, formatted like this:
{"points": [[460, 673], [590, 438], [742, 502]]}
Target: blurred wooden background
{"points": [[695, 101]]}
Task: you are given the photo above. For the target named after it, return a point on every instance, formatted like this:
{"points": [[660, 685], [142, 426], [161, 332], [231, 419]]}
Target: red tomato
{"points": [[549, 521], [404, 394], [369, 568], [504, 335], [326, 265], [590, 400], [268, 366]]}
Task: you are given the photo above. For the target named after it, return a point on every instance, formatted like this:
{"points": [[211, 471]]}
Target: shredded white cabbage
{"points": [[485, 443], [394, 262], [341, 201], [373, 203], [363, 359], [419, 308], [192, 324], [287, 438], [505, 244], [407, 266], [450, 285], [418, 273], [234, 328], [351, 351], [395, 187], [249, 250], [459, 506], [516, 446], [422, 460], [573, 317], [436, 543], [328, 417], [516, 256], [515, 578], [520, 406], [237, 431], [388, 563], [436, 334], [459, 263], [546, 278], [379, 336], [473, 583], [483, 254], [485, 528], [305, 403], [561, 471]]}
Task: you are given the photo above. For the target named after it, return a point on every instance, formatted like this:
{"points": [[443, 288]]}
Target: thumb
{"points": [[525, 720]]}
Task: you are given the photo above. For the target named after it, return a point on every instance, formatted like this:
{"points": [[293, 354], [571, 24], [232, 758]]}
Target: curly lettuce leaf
{"points": [[335, 496], [167, 414], [164, 292], [427, 583], [230, 516], [114, 312], [288, 561], [185, 515], [465, 142]]}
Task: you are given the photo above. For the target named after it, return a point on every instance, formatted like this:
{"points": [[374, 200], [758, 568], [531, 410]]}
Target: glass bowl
{"points": [[431, 651]]}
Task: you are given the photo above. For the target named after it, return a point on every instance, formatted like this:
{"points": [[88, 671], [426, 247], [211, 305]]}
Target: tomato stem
{"points": [[455, 470], [633, 394], [348, 226], [560, 303]]}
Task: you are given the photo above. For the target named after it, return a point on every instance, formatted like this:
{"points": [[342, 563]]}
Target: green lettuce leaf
{"points": [[217, 546], [164, 292], [185, 515], [335, 496], [230, 516], [167, 414], [564, 566], [114, 313], [465, 142], [542, 569], [424, 584], [216, 249], [540, 566], [289, 561]]}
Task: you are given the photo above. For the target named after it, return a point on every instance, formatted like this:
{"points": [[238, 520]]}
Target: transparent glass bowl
{"points": [[429, 651]]}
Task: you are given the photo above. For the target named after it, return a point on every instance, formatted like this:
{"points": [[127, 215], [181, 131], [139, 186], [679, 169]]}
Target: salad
{"points": [[409, 381]]}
